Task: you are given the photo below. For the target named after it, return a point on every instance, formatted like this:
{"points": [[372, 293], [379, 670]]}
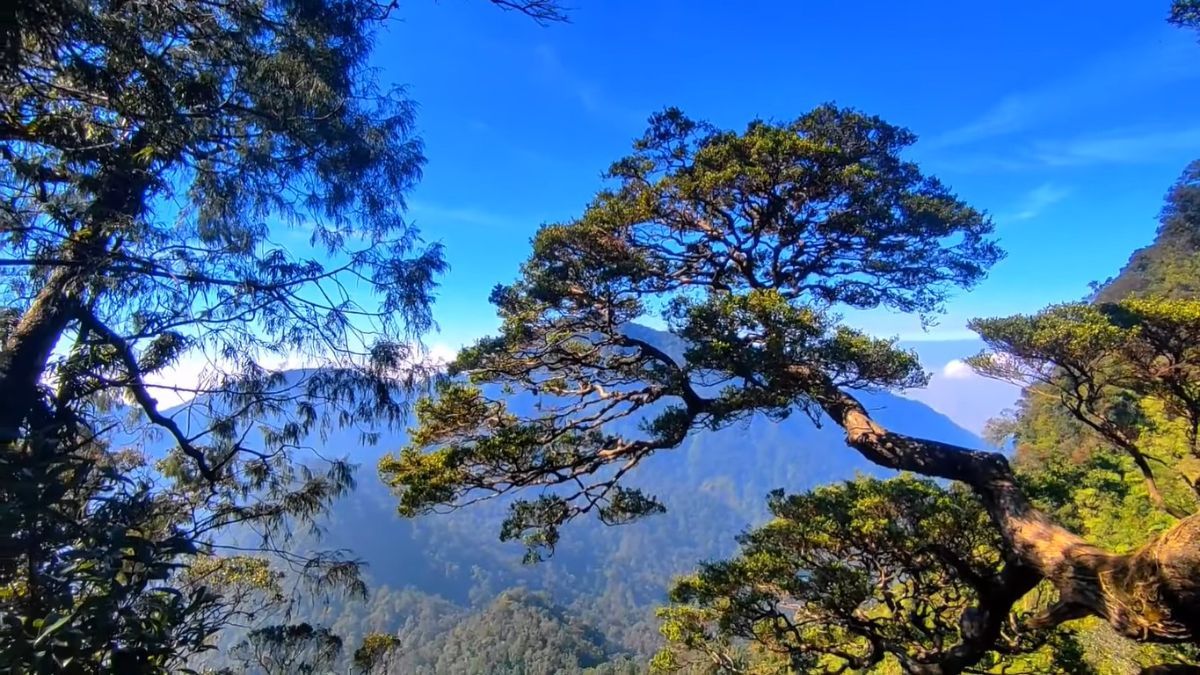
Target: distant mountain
{"points": [[1170, 266], [714, 486]]}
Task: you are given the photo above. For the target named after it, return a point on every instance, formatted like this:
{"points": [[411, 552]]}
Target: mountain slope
{"points": [[432, 576], [1170, 266], [714, 486]]}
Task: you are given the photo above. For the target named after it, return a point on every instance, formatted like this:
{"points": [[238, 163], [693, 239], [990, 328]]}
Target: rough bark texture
{"points": [[25, 352], [1150, 595], [23, 356]]}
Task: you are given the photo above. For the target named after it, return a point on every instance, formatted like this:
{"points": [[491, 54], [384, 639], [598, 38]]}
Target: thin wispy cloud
{"points": [[587, 93], [1109, 147], [1010, 114], [463, 215], [1115, 77], [1116, 147], [1037, 200]]}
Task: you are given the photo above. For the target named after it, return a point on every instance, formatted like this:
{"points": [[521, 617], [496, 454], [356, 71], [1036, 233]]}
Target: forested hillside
{"points": [[433, 576], [1168, 267], [1087, 479], [226, 446]]}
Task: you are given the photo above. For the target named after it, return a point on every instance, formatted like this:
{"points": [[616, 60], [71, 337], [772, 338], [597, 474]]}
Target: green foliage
{"points": [[1110, 393], [374, 652], [518, 633], [1106, 364], [90, 579], [854, 576], [743, 242], [1185, 13], [159, 163], [1109, 378], [761, 331]]}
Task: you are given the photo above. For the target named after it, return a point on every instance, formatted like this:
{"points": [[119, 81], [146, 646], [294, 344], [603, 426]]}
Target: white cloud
{"points": [[1038, 200], [196, 371], [968, 399], [957, 370], [1116, 147], [441, 354], [1119, 75]]}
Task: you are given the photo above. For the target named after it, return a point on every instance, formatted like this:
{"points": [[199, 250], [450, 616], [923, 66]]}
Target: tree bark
{"points": [[1149, 595], [27, 349], [84, 255]]}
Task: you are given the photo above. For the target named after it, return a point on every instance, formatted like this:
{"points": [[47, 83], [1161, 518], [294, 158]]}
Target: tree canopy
{"points": [[855, 576], [746, 244], [1102, 362], [190, 185]]}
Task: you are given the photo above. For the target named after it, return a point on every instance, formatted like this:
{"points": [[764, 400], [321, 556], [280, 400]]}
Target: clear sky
{"points": [[1065, 120]]}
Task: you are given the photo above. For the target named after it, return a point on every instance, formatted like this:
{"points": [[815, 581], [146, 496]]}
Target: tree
{"points": [[1185, 13], [375, 652], [189, 182], [286, 649], [1102, 362], [746, 242], [855, 576]]}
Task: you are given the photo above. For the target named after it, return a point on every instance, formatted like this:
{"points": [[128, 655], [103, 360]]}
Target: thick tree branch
{"points": [[1152, 594], [137, 386], [25, 352]]}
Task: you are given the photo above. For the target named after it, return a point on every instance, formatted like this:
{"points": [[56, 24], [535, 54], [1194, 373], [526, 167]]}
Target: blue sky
{"points": [[1066, 121]]}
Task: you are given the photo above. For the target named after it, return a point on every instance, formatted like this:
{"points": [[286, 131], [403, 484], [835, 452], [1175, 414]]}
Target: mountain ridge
{"points": [[713, 485]]}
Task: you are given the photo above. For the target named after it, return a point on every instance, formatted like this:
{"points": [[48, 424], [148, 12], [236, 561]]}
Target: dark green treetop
{"points": [[744, 243], [219, 183], [856, 576]]}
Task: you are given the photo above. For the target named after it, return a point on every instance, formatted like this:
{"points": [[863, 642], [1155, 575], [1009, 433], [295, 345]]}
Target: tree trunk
{"points": [[27, 349], [85, 254], [1150, 595]]}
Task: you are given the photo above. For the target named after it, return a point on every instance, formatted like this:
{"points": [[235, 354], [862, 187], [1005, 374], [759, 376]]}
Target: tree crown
{"points": [[745, 244]]}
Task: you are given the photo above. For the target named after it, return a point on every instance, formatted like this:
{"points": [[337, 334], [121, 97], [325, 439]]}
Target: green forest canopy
{"points": [[744, 242], [747, 241]]}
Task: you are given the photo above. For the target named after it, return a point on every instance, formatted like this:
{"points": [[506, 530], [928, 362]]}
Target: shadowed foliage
{"points": [[190, 186], [744, 244]]}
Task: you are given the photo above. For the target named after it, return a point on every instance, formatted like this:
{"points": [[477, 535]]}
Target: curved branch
{"points": [[1152, 594], [141, 394]]}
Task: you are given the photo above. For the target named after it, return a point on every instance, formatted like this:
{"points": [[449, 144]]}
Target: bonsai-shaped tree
{"points": [[746, 244]]}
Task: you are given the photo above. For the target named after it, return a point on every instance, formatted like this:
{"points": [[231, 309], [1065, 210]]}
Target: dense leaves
{"points": [[192, 196], [1185, 13], [853, 577], [1104, 363], [744, 243]]}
